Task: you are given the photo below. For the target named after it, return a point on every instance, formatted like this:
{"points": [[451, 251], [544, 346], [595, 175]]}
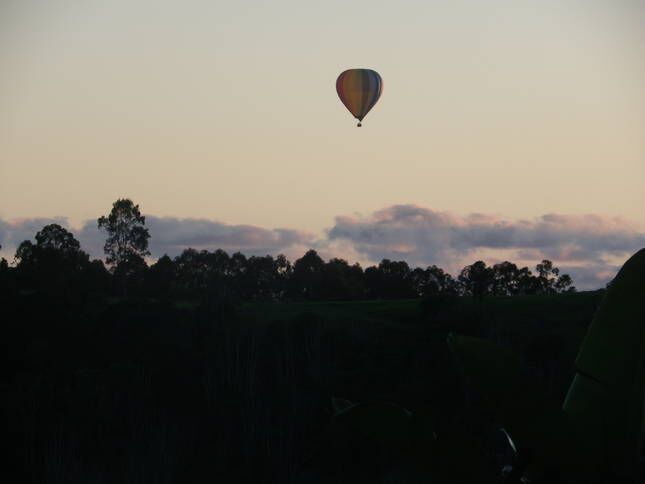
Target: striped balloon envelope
{"points": [[359, 89]]}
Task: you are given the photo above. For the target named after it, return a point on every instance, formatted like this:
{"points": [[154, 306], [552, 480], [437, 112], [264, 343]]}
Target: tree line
{"points": [[55, 264]]}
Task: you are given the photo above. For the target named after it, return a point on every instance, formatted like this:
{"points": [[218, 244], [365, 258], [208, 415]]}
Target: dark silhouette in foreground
{"points": [[214, 366]]}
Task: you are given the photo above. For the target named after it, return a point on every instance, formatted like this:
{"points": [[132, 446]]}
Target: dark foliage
{"points": [[154, 373], [56, 265], [127, 236]]}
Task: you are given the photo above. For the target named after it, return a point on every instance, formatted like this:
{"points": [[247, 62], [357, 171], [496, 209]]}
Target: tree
{"points": [[237, 265], [260, 278], [564, 284], [550, 281], [341, 281], [373, 280], [194, 273], [396, 281], [306, 277], [126, 231], [161, 278], [55, 237], [505, 279], [421, 284], [432, 281], [527, 283], [5, 276], [547, 275], [284, 271], [477, 279], [55, 248], [4, 265], [24, 253], [130, 273], [55, 264], [4, 271], [97, 278]]}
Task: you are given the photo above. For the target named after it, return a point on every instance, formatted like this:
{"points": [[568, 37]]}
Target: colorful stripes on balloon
{"points": [[359, 89]]}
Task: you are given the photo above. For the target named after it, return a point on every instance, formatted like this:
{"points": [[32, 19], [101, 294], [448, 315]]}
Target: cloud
{"points": [[589, 247], [13, 232], [591, 276], [171, 235]]}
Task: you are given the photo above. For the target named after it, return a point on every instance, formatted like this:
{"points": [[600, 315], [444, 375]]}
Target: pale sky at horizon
{"points": [[227, 110]]}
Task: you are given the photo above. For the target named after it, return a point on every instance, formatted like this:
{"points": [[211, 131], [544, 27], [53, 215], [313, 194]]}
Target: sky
{"points": [[520, 123]]}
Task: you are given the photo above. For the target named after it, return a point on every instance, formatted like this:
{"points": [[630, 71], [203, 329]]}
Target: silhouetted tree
{"points": [[546, 275], [24, 253], [477, 279], [161, 278], [237, 265], [219, 274], [550, 281], [55, 264], [127, 235], [196, 271], [126, 244], [259, 279], [98, 279], [447, 284], [4, 265], [6, 283], [527, 283], [432, 281], [341, 281], [130, 273], [306, 279], [505, 279], [390, 280], [55, 248], [373, 280], [284, 271], [421, 285], [396, 278], [56, 238], [564, 283]]}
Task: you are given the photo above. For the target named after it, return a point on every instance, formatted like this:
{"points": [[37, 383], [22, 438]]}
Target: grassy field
{"points": [[147, 392], [515, 321]]}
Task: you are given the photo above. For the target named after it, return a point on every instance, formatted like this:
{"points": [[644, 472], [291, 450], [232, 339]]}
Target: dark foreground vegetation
{"points": [[140, 391], [217, 368]]}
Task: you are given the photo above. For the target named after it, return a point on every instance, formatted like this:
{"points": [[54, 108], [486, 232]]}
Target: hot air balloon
{"points": [[359, 89]]}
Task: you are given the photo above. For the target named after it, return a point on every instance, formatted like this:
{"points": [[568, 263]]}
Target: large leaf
{"points": [[605, 401]]}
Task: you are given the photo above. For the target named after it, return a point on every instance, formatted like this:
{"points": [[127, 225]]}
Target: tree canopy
{"points": [[127, 236], [56, 260]]}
